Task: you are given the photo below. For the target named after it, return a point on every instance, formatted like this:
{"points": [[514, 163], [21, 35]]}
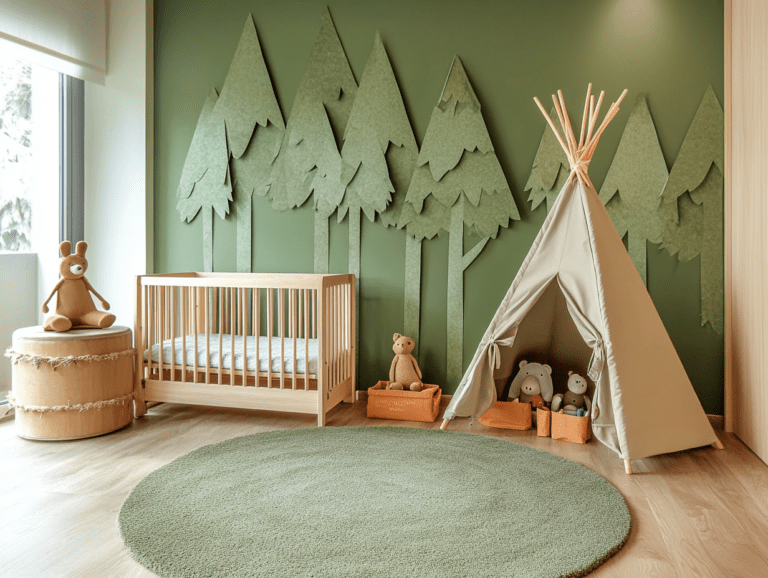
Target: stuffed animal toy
{"points": [[404, 372], [532, 382], [74, 306], [575, 398]]}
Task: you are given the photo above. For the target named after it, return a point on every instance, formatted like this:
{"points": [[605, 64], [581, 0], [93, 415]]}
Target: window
{"points": [[29, 156]]}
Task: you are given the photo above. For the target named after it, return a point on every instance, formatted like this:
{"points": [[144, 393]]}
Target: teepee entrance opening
{"points": [[547, 334]]}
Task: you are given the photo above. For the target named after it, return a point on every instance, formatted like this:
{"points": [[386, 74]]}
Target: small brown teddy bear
{"points": [[74, 306], [575, 398], [405, 372]]}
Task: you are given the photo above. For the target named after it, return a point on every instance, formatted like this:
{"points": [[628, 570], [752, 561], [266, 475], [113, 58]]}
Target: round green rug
{"points": [[369, 502]]}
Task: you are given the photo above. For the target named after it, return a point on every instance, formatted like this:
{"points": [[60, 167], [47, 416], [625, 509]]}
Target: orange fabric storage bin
{"points": [[421, 405], [508, 415], [571, 428], [543, 422]]}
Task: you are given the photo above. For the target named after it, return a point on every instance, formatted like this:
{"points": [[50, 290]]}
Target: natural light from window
{"points": [[29, 156]]}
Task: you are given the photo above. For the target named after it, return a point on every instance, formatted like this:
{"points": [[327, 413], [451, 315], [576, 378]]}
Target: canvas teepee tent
{"points": [[578, 303]]}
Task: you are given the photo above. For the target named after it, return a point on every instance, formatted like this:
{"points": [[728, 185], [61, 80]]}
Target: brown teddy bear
{"points": [[74, 306], [405, 372], [575, 398]]}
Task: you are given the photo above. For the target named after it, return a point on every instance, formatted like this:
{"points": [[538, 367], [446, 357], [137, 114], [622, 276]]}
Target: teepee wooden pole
{"points": [[584, 117], [567, 127], [552, 126], [560, 116], [593, 120]]}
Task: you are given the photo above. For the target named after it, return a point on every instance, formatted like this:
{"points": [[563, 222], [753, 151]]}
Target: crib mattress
{"points": [[264, 361]]}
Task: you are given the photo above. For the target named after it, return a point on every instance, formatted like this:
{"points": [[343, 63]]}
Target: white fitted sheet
{"points": [[250, 358]]}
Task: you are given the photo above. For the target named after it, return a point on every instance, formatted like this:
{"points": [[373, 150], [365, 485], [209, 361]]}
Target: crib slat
{"points": [[281, 321], [244, 330], [221, 333], [306, 339], [194, 332], [335, 332], [294, 299], [270, 328], [257, 330], [161, 340], [208, 297], [183, 320], [315, 315], [232, 324]]}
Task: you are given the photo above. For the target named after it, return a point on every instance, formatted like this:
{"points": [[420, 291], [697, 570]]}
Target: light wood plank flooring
{"points": [[700, 513]]}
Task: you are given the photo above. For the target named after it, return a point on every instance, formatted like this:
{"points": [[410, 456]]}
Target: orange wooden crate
{"points": [[421, 405], [571, 428], [508, 415]]}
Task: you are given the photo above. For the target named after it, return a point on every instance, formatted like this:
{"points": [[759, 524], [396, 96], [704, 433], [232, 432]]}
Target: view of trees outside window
{"points": [[29, 133]]}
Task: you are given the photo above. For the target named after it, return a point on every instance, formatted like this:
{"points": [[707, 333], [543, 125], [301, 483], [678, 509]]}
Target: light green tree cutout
{"points": [[377, 124], [549, 172], [309, 161], [205, 183], [694, 221], [255, 127], [458, 182], [633, 184]]}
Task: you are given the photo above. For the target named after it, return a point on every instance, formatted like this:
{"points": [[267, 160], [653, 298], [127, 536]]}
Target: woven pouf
{"points": [[71, 385]]}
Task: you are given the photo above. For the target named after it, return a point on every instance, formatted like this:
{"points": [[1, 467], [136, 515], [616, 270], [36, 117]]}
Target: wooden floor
{"points": [[700, 513]]}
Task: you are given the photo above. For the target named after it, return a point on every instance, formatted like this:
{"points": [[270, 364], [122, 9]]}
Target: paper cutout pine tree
{"points": [[549, 172], [378, 122], [205, 183], [254, 132], [309, 162], [458, 182], [633, 184], [692, 204]]}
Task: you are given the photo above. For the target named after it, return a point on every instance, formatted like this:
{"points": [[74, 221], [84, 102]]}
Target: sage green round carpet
{"points": [[369, 502]]}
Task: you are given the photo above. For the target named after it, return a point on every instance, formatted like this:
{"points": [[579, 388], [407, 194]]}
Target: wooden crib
{"points": [[282, 342]]}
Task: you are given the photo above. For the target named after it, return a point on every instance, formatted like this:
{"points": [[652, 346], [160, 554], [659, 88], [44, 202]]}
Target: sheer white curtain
{"points": [[69, 36]]}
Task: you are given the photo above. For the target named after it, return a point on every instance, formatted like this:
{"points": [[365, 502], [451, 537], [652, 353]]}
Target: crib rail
{"points": [[226, 317]]}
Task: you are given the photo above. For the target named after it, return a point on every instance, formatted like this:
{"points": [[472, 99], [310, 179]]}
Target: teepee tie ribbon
{"points": [[495, 353]]}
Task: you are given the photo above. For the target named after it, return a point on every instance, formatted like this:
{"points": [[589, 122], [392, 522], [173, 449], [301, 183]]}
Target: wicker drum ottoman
{"points": [[71, 385]]}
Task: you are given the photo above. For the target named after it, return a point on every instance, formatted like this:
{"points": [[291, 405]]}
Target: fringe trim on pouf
{"points": [[55, 362], [77, 407]]}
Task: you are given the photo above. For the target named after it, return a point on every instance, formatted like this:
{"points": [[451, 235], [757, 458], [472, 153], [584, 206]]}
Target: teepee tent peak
{"points": [[580, 152]]}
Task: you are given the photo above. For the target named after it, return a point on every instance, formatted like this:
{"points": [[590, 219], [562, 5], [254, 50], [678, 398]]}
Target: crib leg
{"points": [[628, 466], [139, 407], [320, 419]]}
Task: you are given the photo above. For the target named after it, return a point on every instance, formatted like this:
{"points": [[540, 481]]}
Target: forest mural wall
{"points": [[349, 150]]}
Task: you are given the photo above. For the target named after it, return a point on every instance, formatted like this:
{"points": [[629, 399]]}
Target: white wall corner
{"points": [[118, 159]]}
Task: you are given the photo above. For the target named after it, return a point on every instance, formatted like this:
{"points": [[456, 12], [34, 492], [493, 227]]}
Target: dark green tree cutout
{"points": [[458, 182], [632, 188], [692, 205], [309, 162]]}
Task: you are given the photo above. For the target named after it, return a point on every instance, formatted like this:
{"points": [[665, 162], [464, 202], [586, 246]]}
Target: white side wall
{"points": [[118, 159], [18, 309]]}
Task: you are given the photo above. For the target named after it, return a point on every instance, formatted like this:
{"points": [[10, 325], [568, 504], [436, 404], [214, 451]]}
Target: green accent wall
{"points": [[670, 50]]}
